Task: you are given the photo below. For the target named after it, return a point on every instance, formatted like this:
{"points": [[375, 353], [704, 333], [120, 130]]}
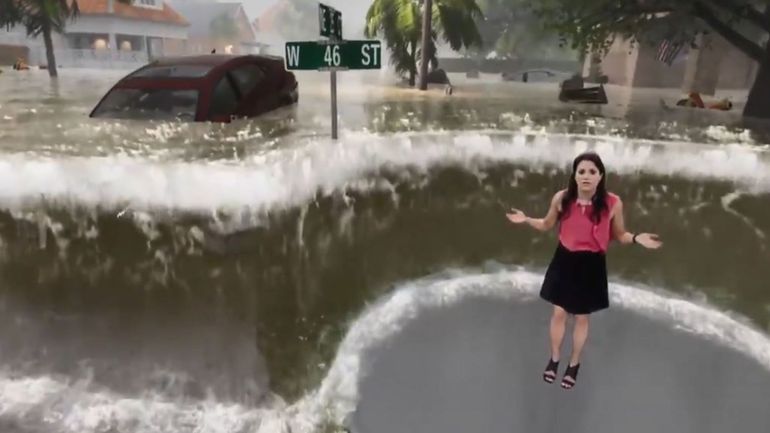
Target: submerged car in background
{"points": [[217, 88]]}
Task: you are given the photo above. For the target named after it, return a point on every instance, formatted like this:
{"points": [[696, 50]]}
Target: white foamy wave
{"points": [[76, 408], [17, 395], [292, 176], [55, 405], [722, 134], [339, 391]]}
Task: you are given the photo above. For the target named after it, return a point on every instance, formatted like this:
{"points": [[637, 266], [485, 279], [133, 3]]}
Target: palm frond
{"points": [[10, 13], [399, 24], [35, 15], [458, 26]]}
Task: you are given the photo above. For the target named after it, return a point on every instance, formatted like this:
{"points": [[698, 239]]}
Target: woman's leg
{"points": [[579, 337], [558, 324]]}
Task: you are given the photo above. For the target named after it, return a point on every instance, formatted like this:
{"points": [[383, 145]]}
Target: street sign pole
{"points": [[332, 54], [334, 103], [330, 21]]}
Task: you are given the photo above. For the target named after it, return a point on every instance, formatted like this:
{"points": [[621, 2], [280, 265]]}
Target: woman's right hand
{"points": [[516, 216]]}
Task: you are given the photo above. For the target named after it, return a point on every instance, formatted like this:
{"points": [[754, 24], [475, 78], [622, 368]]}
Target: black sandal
{"points": [[571, 372], [553, 366]]}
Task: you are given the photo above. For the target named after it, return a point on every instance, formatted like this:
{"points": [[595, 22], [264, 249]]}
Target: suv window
{"points": [[247, 77], [224, 99], [148, 104], [172, 71]]}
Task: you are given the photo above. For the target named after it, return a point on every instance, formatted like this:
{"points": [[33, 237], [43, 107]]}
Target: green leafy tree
{"points": [[594, 24], [399, 23], [511, 30]]}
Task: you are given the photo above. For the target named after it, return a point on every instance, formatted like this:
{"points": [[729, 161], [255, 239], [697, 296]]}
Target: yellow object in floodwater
{"points": [[20, 65]]}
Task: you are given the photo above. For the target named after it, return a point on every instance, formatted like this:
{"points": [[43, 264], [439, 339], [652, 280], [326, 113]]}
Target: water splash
{"points": [[285, 178]]}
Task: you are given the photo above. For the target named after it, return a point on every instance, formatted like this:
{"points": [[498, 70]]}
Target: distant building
{"points": [[223, 27], [106, 33], [715, 64], [266, 27]]}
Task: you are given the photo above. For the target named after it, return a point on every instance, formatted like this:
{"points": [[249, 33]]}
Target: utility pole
{"points": [[426, 30]]}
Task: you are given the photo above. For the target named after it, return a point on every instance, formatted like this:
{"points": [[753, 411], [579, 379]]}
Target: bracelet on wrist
{"points": [[633, 239]]}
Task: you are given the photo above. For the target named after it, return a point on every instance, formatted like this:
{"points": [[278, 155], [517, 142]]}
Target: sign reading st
{"points": [[329, 22], [338, 55]]}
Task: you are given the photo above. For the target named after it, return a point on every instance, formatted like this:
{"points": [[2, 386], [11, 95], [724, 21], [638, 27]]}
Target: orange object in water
{"points": [[696, 100], [724, 104]]}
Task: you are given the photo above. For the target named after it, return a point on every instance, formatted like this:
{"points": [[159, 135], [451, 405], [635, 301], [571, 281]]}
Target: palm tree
{"points": [[399, 23], [10, 13], [41, 17]]}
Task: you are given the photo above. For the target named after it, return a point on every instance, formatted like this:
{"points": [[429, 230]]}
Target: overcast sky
{"points": [[353, 11]]}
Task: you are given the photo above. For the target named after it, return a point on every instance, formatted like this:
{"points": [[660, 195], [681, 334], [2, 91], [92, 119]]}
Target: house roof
{"points": [[99, 7]]}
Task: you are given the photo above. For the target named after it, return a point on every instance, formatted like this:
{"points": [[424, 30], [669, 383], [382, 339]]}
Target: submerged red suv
{"points": [[217, 88]]}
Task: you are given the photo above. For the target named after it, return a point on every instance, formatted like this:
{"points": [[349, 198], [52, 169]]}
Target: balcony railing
{"points": [[102, 58]]}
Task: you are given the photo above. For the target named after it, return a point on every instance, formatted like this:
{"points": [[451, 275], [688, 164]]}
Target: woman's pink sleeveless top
{"points": [[578, 232]]}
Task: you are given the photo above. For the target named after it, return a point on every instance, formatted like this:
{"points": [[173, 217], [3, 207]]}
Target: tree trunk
{"points": [[50, 58], [426, 37], [758, 102], [413, 63]]}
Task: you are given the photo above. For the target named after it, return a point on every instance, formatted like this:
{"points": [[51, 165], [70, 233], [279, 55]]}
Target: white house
{"points": [[107, 33]]}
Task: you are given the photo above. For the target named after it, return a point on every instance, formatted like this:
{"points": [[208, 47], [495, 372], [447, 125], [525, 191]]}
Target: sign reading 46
{"points": [[332, 55]]}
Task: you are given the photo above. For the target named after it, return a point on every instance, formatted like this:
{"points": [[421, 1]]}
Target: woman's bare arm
{"points": [[647, 240], [619, 225], [542, 224]]}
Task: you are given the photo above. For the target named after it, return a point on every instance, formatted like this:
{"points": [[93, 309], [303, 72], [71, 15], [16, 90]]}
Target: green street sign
{"points": [[337, 55], [329, 21]]}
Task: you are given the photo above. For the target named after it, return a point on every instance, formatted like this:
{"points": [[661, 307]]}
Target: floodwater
{"points": [[261, 277]]}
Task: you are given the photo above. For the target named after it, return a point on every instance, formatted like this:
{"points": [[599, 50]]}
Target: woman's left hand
{"points": [[649, 240]]}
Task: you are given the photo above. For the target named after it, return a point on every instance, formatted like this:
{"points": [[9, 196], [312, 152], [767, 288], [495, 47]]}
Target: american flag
{"points": [[667, 51]]}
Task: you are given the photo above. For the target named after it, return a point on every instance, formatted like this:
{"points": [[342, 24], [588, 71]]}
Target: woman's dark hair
{"points": [[599, 200]]}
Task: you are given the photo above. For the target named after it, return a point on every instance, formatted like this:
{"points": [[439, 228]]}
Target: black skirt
{"points": [[576, 281]]}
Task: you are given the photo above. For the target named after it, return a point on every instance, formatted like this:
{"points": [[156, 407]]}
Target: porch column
{"points": [[703, 65]]}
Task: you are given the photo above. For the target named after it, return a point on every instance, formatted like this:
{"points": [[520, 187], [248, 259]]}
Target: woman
{"points": [[576, 280]]}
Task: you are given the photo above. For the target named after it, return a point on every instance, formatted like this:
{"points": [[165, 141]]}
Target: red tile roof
{"points": [[99, 7]]}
